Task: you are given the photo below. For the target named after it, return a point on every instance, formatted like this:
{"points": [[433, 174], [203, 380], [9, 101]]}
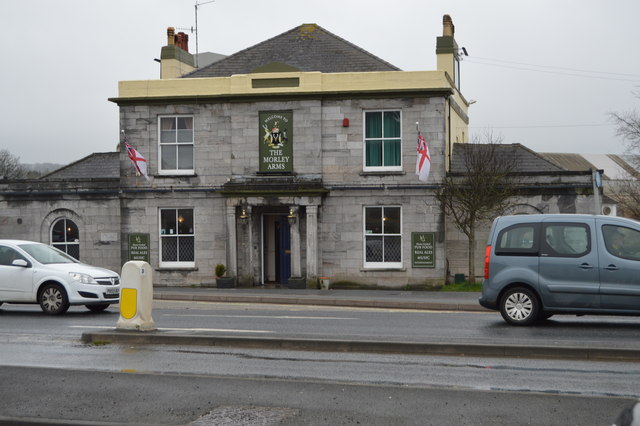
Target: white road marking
{"points": [[224, 330], [258, 316]]}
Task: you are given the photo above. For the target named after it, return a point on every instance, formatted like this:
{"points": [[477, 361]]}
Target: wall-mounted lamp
{"points": [[291, 217], [462, 52], [244, 217]]}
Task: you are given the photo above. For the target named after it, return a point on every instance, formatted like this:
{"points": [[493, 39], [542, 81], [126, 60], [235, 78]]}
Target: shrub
{"points": [[220, 269]]}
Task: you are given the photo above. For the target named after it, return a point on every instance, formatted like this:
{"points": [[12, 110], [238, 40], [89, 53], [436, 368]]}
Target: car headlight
{"points": [[82, 278]]}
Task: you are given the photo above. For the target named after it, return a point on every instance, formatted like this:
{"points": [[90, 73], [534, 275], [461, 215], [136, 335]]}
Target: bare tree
{"points": [[627, 192], [10, 167], [479, 188], [628, 127]]}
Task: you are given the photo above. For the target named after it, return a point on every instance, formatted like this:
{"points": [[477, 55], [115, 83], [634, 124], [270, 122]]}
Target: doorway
{"points": [[276, 249]]}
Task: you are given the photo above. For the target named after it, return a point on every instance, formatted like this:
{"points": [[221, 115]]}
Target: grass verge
{"points": [[465, 286]]}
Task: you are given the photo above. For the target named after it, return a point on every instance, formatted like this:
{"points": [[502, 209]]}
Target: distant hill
{"points": [[39, 169]]}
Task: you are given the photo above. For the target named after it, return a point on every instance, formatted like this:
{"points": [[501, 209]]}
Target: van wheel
{"points": [[53, 299], [519, 306]]}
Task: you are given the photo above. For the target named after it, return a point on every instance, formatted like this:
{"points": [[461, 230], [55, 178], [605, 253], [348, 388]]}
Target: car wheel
{"points": [[53, 299], [97, 308], [519, 306]]}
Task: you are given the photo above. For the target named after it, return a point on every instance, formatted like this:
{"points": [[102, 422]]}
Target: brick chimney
{"points": [[448, 29], [447, 50], [182, 41], [175, 59]]}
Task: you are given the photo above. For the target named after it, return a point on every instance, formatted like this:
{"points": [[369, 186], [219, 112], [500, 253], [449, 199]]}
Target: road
{"points": [[309, 387]]}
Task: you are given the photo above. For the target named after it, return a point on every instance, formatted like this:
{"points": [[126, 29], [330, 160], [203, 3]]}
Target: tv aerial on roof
{"points": [[194, 30]]}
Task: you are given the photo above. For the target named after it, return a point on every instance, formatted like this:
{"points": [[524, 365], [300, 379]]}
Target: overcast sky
{"points": [[543, 73]]}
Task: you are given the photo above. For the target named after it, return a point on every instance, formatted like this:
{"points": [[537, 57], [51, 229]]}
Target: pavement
{"points": [[383, 299], [387, 299]]}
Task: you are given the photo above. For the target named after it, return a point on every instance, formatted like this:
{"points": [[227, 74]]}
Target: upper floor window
{"points": [[383, 237], [382, 140], [65, 236], [176, 145]]}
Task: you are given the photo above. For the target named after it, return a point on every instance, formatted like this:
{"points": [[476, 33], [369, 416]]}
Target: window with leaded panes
{"points": [[383, 237], [177, 237]]}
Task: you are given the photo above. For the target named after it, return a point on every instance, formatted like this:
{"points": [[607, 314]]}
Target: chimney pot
{"points": [[171, 36], [182, 41], [448, 28]]}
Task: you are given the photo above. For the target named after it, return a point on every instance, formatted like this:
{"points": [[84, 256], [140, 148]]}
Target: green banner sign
{"points": [[276, 141], [423, 250], [139, 247]]}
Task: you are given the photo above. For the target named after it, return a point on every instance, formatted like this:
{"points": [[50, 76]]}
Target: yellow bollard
{"points": [[136, 297]]}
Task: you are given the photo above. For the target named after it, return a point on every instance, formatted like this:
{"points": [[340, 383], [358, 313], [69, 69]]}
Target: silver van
{"points": [[540, 265]]}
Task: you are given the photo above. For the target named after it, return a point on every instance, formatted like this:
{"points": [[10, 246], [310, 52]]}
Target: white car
{"points": [[33, 272]]}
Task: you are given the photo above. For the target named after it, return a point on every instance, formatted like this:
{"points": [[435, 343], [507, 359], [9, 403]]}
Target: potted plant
{"points": [[223, 281]]}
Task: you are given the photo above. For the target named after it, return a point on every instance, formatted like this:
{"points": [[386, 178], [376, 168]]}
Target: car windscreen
{"points": [[46, 255]]}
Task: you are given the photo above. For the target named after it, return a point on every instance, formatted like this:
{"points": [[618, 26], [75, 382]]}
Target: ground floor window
{"points": [[383, 237], [177, 238], [65, 236]]}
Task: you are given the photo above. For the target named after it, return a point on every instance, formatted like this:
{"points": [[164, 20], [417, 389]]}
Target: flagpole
{"points": [[124, 138]]}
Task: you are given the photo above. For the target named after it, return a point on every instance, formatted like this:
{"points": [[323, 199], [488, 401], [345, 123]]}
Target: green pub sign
{"points": [[139, 247], [423, 250], [276, 141]]}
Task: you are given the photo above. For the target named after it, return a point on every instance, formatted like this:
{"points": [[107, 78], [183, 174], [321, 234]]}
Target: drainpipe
{"points": [[450, 147], [597, 184]]}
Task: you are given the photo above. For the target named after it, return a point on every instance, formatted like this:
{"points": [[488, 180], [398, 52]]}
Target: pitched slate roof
{"points": [[98, 165], [616, 167], [306, 48], [568, 161], [526, 159]]}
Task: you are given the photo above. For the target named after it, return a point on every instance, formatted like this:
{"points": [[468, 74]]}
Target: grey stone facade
{"points": [[328, 187], [30, 208]]}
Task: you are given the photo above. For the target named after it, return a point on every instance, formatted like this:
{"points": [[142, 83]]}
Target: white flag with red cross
{"points": [[137, 159], [423, 163]]}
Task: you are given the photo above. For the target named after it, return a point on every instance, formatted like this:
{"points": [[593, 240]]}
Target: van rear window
{"points": [[518, 240]]}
